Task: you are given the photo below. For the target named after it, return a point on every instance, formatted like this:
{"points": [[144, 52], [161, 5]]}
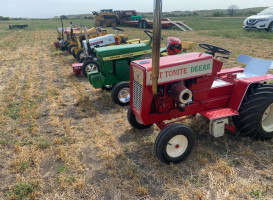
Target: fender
{"points": [[241, 88]]}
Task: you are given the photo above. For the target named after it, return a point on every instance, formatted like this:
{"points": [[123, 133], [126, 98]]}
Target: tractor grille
{"points": [[137, 95]]}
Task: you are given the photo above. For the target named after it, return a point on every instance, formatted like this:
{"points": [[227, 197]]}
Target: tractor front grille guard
{"points": [[137, 95]]}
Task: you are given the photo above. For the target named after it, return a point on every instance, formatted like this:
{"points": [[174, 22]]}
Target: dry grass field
{"points": [[62, 139]]}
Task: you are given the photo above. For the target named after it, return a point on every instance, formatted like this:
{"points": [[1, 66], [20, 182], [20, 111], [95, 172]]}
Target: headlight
{"points": [[138, 75]]}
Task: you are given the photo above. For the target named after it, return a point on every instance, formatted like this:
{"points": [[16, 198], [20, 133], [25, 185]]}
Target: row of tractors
{"points": [[164, 86]]}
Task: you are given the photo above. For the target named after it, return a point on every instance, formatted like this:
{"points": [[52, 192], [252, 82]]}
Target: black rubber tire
{"points": [[115, 93], [73, 53], [69, 48], [140, 24], [78, 54], [270, 27], [107, 88], [86, 63], [145, 25], [82, 60], [133, 121], [164, 138], [249, 121]]}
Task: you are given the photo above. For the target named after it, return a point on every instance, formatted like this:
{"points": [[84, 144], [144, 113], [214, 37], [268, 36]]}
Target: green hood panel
{"points": [[121, 49]]}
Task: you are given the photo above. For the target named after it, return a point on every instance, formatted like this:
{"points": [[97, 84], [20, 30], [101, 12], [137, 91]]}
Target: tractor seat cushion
{"points": [[254, 66]]}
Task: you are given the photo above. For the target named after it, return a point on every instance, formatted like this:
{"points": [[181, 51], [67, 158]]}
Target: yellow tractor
{"points": [[118, 38], [79, 36], [106, 18]]}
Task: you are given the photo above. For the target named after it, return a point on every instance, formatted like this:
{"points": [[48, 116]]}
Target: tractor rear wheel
{"points": [[134, 122], [121, 94], [145, 25], [174, 143], [140, 24], [69, 48], [80, 54], [89, 66], [256, 113]]}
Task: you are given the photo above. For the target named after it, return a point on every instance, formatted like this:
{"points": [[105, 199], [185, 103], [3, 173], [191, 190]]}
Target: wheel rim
{"points": [[91, 68], [177, 146], [124, 95], [267, 120]]}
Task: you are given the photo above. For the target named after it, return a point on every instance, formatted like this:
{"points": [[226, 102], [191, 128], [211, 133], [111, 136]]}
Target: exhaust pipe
{"points": [[156, 44], [62, 27]]}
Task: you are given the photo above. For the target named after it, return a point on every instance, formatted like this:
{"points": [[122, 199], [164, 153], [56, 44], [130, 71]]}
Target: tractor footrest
{"points": [[77, 68], [219, 113]]}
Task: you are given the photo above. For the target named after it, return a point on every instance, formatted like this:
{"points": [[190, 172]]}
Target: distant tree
{"points": [[64, 17], [232, 9], [218, 14], [195, 14], [4, 18]]}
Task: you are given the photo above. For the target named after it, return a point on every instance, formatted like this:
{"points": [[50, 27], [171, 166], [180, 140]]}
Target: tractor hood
{"points": [[177, 67], [122, 51]]}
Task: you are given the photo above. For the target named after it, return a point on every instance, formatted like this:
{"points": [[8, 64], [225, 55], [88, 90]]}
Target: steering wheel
{"points": [[150, 34], [118, 29], [214, 49]]}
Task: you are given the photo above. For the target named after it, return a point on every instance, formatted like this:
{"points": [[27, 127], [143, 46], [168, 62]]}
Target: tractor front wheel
{"points": [[70, 47], [107, 87], [134, 122], [256, 113], [80, 54], [82, 60], [74, 52], [121, 94], [89, 66], [174, 143]]}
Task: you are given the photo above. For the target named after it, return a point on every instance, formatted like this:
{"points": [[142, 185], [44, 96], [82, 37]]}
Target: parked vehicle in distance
{"points": [[262, 21]]}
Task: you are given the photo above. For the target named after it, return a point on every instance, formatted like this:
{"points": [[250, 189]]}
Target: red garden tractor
{"points": [[185, 85]]}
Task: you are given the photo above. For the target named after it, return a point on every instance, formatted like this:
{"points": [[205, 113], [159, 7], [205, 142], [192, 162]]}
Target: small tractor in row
{"points": [[167, 90], [83, 52]]}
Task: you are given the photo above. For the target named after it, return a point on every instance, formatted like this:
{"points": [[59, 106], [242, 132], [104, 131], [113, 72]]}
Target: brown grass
{"points": [[62, 139]]}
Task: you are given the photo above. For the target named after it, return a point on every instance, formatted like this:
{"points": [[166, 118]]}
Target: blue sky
{"points": [[51, 8]]}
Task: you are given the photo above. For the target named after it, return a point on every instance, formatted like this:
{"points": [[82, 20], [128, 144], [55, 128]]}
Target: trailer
{"points": [[18, 26], [108, 17], [130, 18]]}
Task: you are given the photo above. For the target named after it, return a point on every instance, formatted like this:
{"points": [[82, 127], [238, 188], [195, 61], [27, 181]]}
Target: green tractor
{"points": [[111, 70]]}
